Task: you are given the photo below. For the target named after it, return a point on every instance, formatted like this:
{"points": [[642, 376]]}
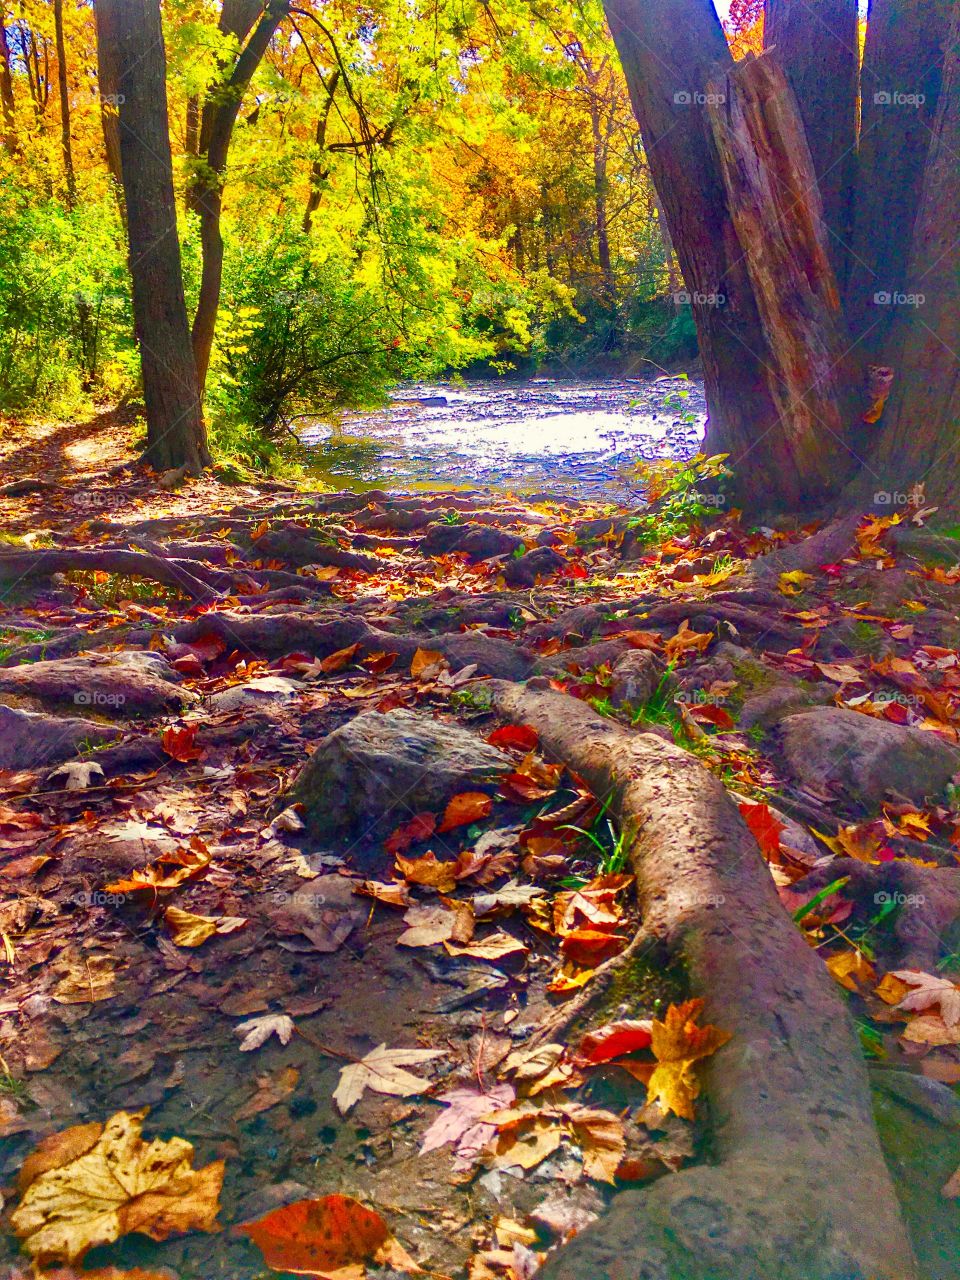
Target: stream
{"points": [[577, 438]]}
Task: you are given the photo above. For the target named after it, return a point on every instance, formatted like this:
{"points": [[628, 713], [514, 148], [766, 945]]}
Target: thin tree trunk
{"points": [[108, 92], [902, 68], [318, 172], [132, 49], [817, 46], [670, 51], [6, 94], [206, 197], [921, 438], [64, 90]]}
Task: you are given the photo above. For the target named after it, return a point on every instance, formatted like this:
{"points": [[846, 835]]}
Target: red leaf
{"points": [[613, 1041], [712, 714], [590, 947], [179, 742], [522, 736], [467, 807], [316, 1236], [765, 827], [420, 827]]}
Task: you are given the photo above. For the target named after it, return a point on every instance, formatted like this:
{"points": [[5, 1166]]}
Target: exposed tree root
{"points": [[799, 1171]]}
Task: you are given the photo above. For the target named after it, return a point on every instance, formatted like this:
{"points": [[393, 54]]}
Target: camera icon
{"points": [[82, 699], [682, 298], [883, 498], [683, 98], [882, 298], [883, 99]]}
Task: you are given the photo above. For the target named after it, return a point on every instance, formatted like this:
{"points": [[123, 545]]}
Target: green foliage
{"points": [[65, 324], [673, 488]]}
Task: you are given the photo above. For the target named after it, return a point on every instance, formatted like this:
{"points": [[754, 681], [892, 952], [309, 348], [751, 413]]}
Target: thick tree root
{"points": [[799, 1189]]}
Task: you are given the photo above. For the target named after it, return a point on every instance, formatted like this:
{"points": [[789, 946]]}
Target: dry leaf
{"points": [[188, 930], [794, 582], [495, 947], [83, 1189], [382, 1070], [271, 1090], [337, 661], [613, 1041], [462, 1122], [429, 871], [677, 1044], [467, 807], [257, 1031], [427, 663], [852, 970], [324, 1236], [929, 991], [445, 921]]}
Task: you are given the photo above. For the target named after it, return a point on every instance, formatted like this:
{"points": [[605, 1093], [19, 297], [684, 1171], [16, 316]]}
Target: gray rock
{"points": [[636, 675], [260, 692], [29, 740], [771, 705], [539, 563], [114, 684], [379, 769], [830, 750]]}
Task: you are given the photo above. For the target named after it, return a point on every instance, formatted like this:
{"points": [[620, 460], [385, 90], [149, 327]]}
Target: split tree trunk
{"points": [[64, 91], [816, 43], [774, 203], [131, 47], [673, 52]]}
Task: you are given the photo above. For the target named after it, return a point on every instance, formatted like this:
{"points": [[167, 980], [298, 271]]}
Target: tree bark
{"points": [[108, 93], [671, 50], [6, 94], [132, 50], [920, 442], [902, 68], [64, 91], [318, 172], [816, 44], [216, 130]]}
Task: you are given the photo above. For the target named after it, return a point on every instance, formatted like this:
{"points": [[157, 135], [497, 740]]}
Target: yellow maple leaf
{"points": [[677, 1043], [686, 639], [93, 1183], [852, 969], [188, 930]]}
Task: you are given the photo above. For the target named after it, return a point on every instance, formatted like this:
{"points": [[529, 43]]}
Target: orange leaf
{"points": [[765, 827], [677, 1044], [467, 807], [420, 827], [424, 660], [179, 742], [429, 871], [311, 1237], [590, 947], [337, 661], [613, 1041]]}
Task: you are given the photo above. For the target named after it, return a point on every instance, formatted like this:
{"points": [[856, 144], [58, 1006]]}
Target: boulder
{"points": [[525, 571], [30, 740], [832, 751], [770, 705], [479, 541], [113, 684], [262, 691], [636, 675], [380, 769]]}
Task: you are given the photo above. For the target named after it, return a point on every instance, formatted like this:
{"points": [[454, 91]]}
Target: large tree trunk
{"points": [[817, 47], [64, 91], [671, 51], [216, 130], [108, 92], [902, 67], [6, 92], [132, 49], [921, 436]]}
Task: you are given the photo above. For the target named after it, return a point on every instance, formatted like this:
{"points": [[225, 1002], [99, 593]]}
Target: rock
{"points": [[26, 484], [636, 675], [831, 750], [379, 769], [116, 684], [493, 656], [29, 739], [540, 563], [479, 541], [255, 694]]}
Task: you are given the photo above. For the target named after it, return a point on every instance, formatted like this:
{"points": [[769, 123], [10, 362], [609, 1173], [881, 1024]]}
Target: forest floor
{"points": [[508, 786]]}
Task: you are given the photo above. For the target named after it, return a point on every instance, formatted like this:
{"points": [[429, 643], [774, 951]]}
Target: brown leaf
{"points": [[429, 871], [465, 808], [338, 660]]}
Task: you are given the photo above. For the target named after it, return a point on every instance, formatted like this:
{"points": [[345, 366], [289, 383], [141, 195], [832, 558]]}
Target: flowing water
{"points": [[574, 437]]}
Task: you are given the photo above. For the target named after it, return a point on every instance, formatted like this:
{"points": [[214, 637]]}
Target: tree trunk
{"points": [[670, 51], [64, 90], [131, 48], [206, 196], [773, 201], [902, 67], [817, 47], [6, 93], [318, 172], [920, 440]]}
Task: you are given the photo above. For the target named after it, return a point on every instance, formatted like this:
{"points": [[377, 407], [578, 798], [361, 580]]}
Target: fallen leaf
{"points": [[257, 1031], [188, 930], [382, 1070], [677, 1043], [523, 737], [930, 991], [429, 871], [589, 946], [686, 639], [794, 582], [392, 892], [420, 827], [78, 1194], [600, 1136], [461, 1122], [427, 663], [429, 925], [613, 1041], [338, 660], [271, 1090], [465, 808], [766, 829], [495, 947], [852, 970], [179, 742], [324, 1236]]}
